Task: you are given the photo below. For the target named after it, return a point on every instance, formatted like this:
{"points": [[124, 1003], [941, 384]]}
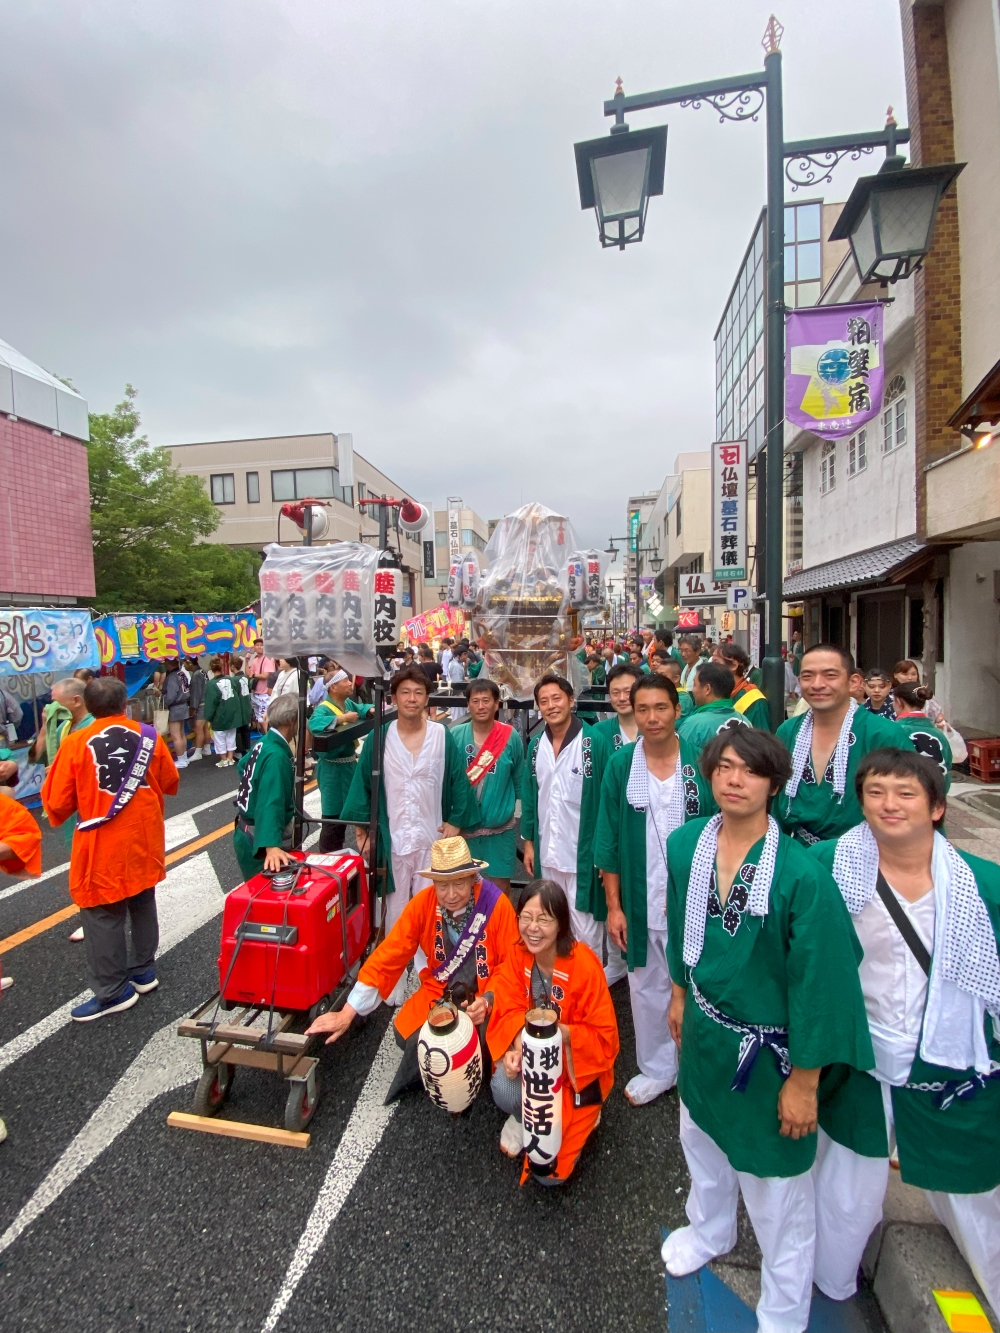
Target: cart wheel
{"points": [[320, 1007], [213, 1089], [301, 1107]]}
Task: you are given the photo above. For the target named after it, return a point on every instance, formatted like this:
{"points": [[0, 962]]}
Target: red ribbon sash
{"points": [[489, 752]]}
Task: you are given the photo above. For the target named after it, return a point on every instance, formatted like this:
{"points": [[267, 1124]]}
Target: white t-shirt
{"points": [[658, 828], [560, 792]]}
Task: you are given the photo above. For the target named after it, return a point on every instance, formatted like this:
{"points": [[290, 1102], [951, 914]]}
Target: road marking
{"points": [[165, 1062], [176, 829], [37, 928], [189, 897], [360, 1138]]}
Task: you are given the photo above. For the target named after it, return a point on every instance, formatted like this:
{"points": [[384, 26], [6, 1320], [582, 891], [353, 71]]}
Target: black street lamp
{"points": [[618, 174]]}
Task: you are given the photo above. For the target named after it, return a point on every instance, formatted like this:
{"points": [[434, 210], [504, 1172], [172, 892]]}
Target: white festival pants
{"points": [[781, 1209], [849, 1193], [650, 992], [408, 880]]}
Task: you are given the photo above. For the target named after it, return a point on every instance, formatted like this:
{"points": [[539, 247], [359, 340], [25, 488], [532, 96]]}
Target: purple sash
{"points": [[472, 933], [131, 781]]}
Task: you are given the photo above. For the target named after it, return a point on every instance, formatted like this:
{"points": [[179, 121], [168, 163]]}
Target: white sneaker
{"points": [[640, 1091], [6, 983], [206, 751], [512, 1137], [181, 763], [77, 936], [193, 757]]}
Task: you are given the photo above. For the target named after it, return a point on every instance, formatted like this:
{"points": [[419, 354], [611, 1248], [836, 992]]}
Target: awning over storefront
{"points": [[982, 406], [877, 565]]}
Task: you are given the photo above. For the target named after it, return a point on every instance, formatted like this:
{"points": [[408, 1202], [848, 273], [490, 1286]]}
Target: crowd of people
{"points": [[810, 962]]}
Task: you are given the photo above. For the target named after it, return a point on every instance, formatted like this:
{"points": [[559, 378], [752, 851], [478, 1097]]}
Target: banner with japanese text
{"points": [[444, 622], [149, 636], [729, 511], [834, 371], [40, 639]]}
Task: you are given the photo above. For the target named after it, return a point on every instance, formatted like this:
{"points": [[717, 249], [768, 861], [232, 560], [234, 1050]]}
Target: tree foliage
{"points": [[148, 523]]}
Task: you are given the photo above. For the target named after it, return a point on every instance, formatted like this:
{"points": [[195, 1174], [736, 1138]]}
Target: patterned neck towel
{"points": [[700, 882], [803, 748]]}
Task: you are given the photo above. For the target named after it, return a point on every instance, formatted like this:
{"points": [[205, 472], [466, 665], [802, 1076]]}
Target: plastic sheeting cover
{"points": [[321, 599]]}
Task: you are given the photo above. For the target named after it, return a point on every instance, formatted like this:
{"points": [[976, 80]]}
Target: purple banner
{"points": [[834, 374]]}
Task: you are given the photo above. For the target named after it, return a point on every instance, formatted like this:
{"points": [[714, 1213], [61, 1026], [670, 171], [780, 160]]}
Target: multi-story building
{"points": [[457, 531], [46, 549], [639, 577], [249, 481], [952, 60]]}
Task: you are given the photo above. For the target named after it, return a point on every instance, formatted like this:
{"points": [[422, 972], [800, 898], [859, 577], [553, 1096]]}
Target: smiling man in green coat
{"points": [[763, 961], [265, 800], [649, 789], [494, 758], [559, 807]]}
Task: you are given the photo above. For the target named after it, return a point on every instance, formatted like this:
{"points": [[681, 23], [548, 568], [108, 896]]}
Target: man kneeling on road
{"points": [[114, 775], [463, 925]]}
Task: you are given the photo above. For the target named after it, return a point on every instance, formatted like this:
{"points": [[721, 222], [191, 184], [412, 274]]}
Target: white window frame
{"points": [[894, 424], [857, 452], [828, 468]]}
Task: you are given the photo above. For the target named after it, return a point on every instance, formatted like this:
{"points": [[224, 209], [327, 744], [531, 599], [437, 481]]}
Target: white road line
{"points": [[178, 829], [190, 896], [360, 1138], [165, 1062]]}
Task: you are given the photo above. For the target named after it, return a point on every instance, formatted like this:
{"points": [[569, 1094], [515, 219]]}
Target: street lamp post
{"points": [[618, 174], [655, 561]]}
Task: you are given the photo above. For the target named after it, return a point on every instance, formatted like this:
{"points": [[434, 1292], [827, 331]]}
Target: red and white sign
{"points": [[688, 619]]}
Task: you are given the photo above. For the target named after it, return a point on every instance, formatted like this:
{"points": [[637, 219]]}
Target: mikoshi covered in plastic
{"points": [[526, 604]]}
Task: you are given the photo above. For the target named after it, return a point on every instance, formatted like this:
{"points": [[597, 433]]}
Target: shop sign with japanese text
{"points": [[729, 511], [834, 372]]}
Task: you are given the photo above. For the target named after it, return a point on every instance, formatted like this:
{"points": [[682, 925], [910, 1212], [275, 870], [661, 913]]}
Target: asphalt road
{"points": [[112, 1221]]}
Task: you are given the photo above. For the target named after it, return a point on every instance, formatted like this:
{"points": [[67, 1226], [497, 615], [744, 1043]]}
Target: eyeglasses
{"points": [[536, 920]]}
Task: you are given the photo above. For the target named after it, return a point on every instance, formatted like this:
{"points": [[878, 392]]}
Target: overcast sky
{"points": [[281, 216]]}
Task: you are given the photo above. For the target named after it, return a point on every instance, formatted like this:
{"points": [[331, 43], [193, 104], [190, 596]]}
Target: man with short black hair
{"points": [[711, 688], [618, 728], [826, 744], [928, 919], [494, 759], [560, 800], [763, 963], [650, 788], [114, 774]]}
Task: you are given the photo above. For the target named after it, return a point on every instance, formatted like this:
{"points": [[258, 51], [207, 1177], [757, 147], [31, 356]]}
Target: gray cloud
{"points": [[283, 215]]}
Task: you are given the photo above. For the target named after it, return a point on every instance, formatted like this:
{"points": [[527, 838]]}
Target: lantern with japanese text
{"points": [[541, 1089], [454, 595], [388, 601], [449, 1058], [470, 582]]}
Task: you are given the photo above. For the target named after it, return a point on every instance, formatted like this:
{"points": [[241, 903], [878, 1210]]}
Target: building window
{"points": [[677, 517], [803, 254], [223, 488], [310, 483], [441, 538], [827, 469], [361, 491], [471, 538], [857, 453], [894, 415], [253, 488]]}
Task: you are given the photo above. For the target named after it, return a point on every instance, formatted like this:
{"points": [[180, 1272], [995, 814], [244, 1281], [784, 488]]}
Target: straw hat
{"points": [[450, 858]]}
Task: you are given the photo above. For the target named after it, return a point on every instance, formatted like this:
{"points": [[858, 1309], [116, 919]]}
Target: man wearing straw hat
{"points": [[463, 925]]}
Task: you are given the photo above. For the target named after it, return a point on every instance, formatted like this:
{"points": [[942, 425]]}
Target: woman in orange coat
{"points": [[549, 969]]}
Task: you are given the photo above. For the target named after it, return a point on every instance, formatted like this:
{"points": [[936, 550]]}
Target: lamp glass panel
{"points": [[863, 241], [905, 218], [619, 182]]}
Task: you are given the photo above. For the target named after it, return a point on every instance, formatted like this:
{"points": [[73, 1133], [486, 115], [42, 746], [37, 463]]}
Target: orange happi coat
{"points": [[20, 831], [420, 926], [586, 1008], [126, 855]]}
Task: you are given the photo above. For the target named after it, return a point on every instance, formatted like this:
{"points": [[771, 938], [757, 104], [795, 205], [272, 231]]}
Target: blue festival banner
{"points": [[154, 637], [43, 639]]}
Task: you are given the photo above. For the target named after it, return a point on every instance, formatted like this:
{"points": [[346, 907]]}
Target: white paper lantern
{"points": [[449, 1058], [541, 1089]]}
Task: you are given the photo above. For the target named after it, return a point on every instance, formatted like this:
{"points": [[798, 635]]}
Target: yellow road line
{"points": [[48, 922]]}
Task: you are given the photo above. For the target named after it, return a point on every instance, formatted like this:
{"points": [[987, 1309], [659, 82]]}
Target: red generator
{"points": [[289, 940]]}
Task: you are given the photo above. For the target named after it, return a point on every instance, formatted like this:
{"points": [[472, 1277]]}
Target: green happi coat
{"points": [[596, 752], [817, 812], [757, 712], [706, 720], [334, 767], [927, 739], [497, 792], [796, 967], [223, 708], [265, 799], [956, 1150], [242, 687], [610, 729], [458, 801], [620, 843], [686, 700]]}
